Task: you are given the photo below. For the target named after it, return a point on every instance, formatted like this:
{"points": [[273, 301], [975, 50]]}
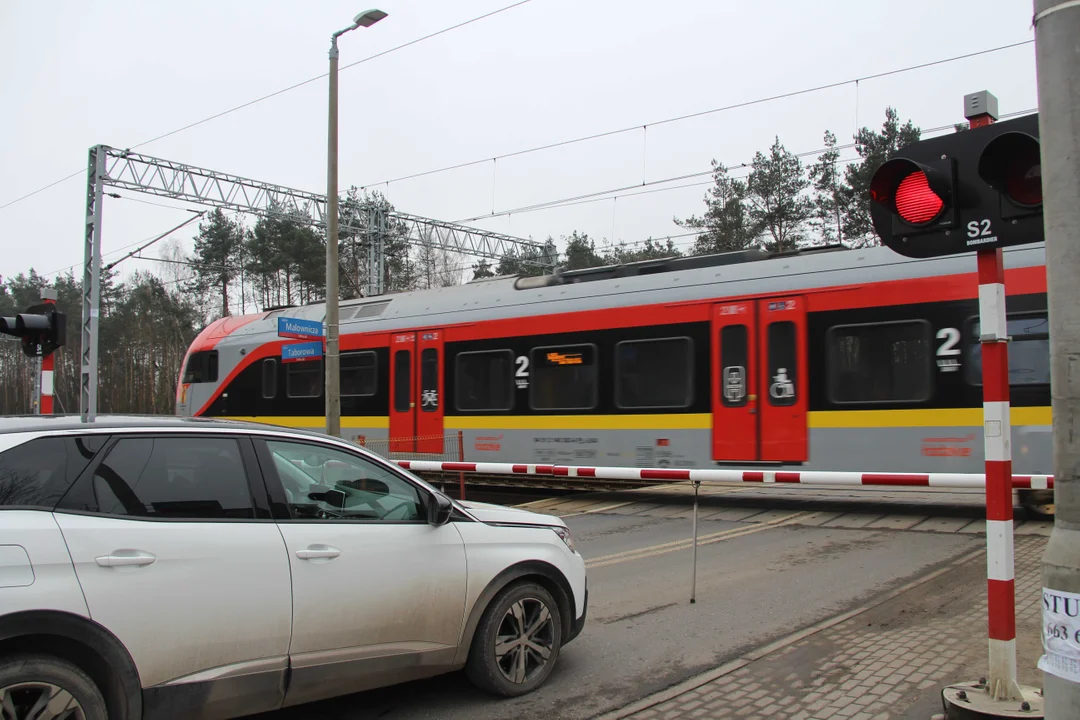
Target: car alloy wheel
{"points": [[524, 642], [39, 701]]}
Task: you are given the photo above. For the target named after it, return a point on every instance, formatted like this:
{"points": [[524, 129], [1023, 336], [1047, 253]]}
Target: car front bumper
{"points": [[577, 625]]}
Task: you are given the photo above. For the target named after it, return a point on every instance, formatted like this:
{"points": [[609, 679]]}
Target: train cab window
{"points": [[484, 380], [889, 362], [202, 367], [564, 378], [1029, 350], [358, 378], [269, 378], [653, 374], [304, 379]]}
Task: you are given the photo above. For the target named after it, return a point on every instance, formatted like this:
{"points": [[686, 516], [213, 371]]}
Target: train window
{"points": [[654, 373], [304, 379], [269, 378], [484, 380], [358, 377], [202, 367], [564, 378], [783, 373], [429, 380], [889, 362], [1029, 350], [734, 364], [402, 381]]}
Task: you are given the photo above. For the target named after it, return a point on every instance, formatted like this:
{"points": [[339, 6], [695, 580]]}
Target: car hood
{"points": [[486, 512]]}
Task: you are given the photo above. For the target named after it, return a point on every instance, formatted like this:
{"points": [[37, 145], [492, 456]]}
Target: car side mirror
{"points": [[439, 509]]}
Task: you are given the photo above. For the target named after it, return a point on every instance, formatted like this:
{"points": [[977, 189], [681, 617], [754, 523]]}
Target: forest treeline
{"points": [[148, 318]]}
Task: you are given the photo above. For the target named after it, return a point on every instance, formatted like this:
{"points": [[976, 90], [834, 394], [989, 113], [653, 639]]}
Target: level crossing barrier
{"points": [[820, 478]]}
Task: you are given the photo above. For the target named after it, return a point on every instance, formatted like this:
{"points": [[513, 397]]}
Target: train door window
{"points": [[358, 378], [304, 379], [269, 378], [202, 367], [734, 365], [429, 380], [402, 381], [564, 378], [783, 373], [880, 362], [1029, 350], [484, 380], [654, 374]]}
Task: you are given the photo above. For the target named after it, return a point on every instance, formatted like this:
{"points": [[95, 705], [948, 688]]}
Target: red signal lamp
{"points": [[918, 195]]}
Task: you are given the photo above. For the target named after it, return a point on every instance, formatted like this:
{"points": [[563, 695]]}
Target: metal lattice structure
{"points": [[140, 173]]}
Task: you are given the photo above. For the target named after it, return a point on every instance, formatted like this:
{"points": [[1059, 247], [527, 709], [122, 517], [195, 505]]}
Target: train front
{"points": [[207, 364]]}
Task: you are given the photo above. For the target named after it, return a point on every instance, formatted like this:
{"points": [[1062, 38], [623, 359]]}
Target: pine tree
{"points": [[775, 190], [828, 188], [875, 148], [217, 247], [726, 225]]}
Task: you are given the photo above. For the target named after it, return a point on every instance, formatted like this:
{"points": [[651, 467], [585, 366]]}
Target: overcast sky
{"points": [[75, 74]]}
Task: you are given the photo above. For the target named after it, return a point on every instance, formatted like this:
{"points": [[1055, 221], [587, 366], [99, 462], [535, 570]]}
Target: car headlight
{"points": [[565, 536]]}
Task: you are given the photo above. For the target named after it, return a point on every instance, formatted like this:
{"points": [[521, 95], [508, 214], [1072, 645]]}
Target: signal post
{"points": [[978, 190], [42, 330]]}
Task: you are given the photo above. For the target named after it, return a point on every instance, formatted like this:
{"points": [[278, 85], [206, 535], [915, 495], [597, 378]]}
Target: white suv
{"points": [[165, 567]]}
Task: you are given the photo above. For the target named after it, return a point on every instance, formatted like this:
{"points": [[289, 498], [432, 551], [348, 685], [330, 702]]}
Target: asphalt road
{"points": [[758, 579]]}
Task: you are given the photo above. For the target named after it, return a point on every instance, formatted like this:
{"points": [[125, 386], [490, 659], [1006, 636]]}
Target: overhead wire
{"points": [[268, 96], [702, 113]]}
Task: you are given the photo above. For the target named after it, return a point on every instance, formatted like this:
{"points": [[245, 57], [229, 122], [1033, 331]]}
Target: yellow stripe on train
{"points": [[822, 419]]}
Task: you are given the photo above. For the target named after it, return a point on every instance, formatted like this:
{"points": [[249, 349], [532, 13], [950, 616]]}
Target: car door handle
{"points": [[314, 552], [125, 558]]}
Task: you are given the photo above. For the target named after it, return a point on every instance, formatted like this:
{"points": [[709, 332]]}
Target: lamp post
{"points": [[333, 364]]}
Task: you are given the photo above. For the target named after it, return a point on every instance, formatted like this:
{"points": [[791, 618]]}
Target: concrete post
{"points": [[333, 374], [1057, 55]]}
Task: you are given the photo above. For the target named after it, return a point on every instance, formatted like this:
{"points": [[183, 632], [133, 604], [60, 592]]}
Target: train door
{"points": [[759, 408], [736, 423], [416, 392], [783, 373]]}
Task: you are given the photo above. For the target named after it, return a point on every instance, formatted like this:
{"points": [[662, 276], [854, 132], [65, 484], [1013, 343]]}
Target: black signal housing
{"points": [[982, 190]]}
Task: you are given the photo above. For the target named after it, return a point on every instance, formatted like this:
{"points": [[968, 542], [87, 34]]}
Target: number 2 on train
{"points": [[951, 337]]}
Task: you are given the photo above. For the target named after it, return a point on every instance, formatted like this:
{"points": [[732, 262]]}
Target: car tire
{"points": [[521, 624], [27, 681]]}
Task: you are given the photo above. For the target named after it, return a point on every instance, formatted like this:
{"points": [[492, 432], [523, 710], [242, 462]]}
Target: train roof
{"points": [[657, 281]]}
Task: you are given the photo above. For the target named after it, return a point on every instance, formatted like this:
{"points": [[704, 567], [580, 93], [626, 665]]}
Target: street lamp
{"points": [[333, 364]]}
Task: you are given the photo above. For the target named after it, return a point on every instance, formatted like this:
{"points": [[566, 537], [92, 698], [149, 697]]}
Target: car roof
{"points": [[105, 423]]}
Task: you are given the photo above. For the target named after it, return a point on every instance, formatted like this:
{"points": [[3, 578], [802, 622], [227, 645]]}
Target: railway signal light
{"points": [[972, 190], [41, 329]]}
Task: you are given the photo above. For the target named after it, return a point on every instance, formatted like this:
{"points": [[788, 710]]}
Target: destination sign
{"points": [[298, 352], [566, 355], [300, 329]]}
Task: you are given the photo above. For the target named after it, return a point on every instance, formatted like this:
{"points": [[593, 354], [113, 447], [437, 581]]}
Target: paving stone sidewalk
{"points": [[886, 663]]}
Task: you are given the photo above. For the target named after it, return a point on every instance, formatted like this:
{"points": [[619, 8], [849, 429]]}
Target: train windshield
{"points": [[202, 367]]}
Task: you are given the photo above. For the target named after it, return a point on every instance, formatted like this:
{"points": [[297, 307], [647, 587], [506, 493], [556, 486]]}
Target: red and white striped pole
{"points": [[997, 442], [48, 363], [997, 431]]}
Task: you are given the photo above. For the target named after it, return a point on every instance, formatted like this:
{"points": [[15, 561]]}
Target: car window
{"points": [[39, 472], [186, 478], [323, 483]]}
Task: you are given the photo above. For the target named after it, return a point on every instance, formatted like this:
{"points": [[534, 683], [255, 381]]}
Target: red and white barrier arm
{"points": [[798, 477]]}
